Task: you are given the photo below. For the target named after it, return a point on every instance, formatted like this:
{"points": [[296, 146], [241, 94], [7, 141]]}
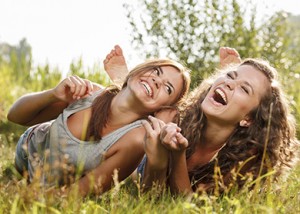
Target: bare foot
{"points": [[228, 56], [115, 65]]}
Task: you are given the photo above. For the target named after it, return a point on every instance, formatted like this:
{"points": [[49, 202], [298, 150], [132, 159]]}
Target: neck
{"points": [[215, 136], [124, 110]]}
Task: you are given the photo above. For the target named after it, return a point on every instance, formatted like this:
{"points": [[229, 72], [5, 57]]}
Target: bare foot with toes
{"points": [[228, 56], [115, 65]]}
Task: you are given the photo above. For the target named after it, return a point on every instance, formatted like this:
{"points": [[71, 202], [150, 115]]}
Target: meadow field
{"points": [[17, 197]]}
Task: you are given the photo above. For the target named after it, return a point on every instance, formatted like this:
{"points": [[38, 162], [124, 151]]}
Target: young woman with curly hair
{"points": [[237, 126]]}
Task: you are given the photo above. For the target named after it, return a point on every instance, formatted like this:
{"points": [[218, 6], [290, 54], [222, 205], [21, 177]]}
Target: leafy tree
{"points": [[43, 77], [19, 58], [192, 31], [94, 74]]}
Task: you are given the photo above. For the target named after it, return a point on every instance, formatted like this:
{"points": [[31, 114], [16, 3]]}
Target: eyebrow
{"points": [[245, 82], [169, 83]]}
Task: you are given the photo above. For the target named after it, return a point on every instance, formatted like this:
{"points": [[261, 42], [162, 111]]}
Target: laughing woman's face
{"points": [[235, 94]]}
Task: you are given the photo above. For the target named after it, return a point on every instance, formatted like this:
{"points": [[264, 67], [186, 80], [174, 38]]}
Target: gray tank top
{"points": [[61, 157]]}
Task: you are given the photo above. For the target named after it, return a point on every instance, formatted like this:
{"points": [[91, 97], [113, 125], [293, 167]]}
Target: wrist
{"points": [[53, 96], [157, 164], [178, 155]]}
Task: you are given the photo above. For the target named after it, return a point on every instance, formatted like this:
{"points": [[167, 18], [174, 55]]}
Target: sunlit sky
{"points": [[60, 31]]}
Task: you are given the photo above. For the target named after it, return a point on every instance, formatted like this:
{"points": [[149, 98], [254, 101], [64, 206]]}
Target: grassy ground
{"points": [[17, 197]]}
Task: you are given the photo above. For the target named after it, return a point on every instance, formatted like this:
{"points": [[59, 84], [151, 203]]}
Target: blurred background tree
{"points": [[192, 32], [18, 77]]}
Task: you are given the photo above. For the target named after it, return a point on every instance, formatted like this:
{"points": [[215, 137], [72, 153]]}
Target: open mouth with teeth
{"points": [[148, 88], [220, 97]]}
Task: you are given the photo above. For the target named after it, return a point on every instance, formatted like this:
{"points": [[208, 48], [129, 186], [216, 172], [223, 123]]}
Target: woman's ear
{"points": [[245, 123]]}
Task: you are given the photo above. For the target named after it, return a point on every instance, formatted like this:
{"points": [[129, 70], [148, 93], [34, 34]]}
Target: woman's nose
{"points": [[156, 82], [230, 84]]}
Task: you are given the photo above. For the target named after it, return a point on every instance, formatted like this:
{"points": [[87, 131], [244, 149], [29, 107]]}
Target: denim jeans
{"points": [[21, 156], [141, 168]]}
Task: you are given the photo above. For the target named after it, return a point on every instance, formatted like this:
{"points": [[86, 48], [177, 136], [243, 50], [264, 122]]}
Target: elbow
{"points": [[10, 116], [14, 119]]}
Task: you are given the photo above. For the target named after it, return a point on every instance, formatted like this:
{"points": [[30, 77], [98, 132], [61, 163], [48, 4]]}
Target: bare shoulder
{"points": [[134, 137], [132, 141]]}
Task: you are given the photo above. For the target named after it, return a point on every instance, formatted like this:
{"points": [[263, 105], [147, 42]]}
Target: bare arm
{"points": [[35, 108], [155, 171], [124, 157], [179, 179], [43, 106], [156, 167], [172, 139]]}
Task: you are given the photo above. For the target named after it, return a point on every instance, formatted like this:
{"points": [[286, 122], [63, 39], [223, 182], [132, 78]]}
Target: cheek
{"points": [[241, 105], [164, 99], [245, 106], [204, 105], [167, 99]]}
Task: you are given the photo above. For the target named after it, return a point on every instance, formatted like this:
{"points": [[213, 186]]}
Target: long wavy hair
{"points": [[268, 144], [101, 105]]}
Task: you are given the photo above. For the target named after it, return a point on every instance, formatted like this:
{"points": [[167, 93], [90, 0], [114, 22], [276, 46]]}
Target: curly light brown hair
{"points": [[267, 145]]}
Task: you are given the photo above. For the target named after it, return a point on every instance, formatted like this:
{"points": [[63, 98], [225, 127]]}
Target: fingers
{"points": [[172, 139], [147, 126], [182, 141], [79, 87], [153, 126], [167, 134], [89, 86], [157, 124], [169, 131]]}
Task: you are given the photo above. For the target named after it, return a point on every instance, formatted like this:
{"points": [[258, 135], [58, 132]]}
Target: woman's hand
{"points": [[73, 88], [157, 154], [172, 139]]}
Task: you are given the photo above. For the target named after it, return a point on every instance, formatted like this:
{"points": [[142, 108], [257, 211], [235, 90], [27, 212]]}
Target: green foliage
{"points": [[94, 74], [18, 78], [192, 32]]}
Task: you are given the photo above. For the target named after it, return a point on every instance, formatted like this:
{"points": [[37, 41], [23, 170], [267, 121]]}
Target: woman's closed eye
{"points": [[230, 75], [245, 89]]}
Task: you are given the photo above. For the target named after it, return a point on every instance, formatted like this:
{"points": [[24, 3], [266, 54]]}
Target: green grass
{"points": [[17, 197]]}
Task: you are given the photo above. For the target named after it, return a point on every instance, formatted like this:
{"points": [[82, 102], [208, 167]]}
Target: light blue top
{"points": [[61, 155]]}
